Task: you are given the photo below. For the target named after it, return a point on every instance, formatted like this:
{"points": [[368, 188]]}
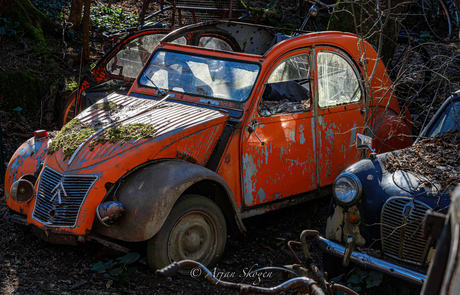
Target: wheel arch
{"points": [[223, 197], [149, 193]]}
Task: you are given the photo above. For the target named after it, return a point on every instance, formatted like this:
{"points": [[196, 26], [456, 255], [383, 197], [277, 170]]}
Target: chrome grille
{"points": [[53, 212], [402, 236]]}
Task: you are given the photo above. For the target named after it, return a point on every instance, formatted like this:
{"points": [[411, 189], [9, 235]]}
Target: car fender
{"points": [[149, 193], [26, 160], [338, 228], [392, 132]]}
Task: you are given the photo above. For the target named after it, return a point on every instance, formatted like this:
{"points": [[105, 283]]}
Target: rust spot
{"points": [[186, 157], [227, 158]]}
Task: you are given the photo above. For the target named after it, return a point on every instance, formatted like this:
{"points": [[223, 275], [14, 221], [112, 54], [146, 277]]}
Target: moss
{"points": [[74, 133], [106, 106], [31, 21], [71, 86], [20, 89], [123, 134], [71, 136]]}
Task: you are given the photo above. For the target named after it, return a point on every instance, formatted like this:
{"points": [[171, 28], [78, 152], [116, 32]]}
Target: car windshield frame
{"points": [[200, 75], [438, 117]]}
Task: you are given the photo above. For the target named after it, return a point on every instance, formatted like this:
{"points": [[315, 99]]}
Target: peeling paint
{"points": [[250, 181], [334, 225], [301, 136], [261, 195]]}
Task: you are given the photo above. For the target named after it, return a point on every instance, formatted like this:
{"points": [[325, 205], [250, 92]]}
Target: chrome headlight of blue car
{"points": [[347, 189]]}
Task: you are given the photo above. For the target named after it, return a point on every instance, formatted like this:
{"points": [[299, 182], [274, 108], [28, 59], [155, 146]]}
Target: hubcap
{"points": [[194, 236]]}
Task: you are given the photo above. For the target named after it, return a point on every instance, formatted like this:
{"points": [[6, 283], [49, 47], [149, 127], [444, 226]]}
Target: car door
{"points": [[339, 112], [278, 155]]}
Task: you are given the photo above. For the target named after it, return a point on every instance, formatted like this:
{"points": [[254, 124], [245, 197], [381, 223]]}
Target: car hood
{"points": [[167, 123], [379, 184]]}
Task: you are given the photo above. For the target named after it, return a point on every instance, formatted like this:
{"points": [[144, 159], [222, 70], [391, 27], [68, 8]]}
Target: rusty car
{"points": [[376, 213], [205, 137]]}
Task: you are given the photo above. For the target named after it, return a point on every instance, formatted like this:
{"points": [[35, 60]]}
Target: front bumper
{"points": [[47, 236], [63, 239], [368, 261]]}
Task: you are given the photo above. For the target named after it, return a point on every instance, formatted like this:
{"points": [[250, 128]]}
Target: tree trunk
{"points": [[85, 40], [75, 14]]}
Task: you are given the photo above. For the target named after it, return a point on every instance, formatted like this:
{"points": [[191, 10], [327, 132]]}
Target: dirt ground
{"points": [[31, 266]]}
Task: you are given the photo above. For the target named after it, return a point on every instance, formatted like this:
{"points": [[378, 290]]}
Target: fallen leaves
{"points": [[435, 159]]}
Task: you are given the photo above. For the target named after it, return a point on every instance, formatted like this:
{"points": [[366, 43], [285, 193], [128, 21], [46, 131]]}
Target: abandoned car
{"points": [[379, 202], [204, 138]]}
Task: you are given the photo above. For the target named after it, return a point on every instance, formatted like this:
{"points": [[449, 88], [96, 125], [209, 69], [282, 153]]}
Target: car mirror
{"points": [[364, 142]]}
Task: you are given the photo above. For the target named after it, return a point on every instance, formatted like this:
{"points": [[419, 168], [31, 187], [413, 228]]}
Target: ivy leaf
{"points": [[337, 278], [110, 263], [99, 267], [129, 258], [358, 276], [116, 271], [374, 279]]}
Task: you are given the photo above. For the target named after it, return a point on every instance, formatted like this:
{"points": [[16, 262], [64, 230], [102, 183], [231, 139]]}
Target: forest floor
{"points": [[31, 266]]}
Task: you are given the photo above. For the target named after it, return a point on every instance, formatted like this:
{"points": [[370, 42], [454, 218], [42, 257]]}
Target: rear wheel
{"points": [[195, 229]]}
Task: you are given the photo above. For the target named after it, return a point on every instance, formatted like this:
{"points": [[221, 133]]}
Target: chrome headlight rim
{"points": [[357, 183]]}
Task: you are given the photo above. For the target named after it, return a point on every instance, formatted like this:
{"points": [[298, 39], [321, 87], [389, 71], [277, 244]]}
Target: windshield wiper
{"points": [[158, 88]]}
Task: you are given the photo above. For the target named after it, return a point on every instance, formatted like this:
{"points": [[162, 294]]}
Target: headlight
{"points": [[347, 189]]}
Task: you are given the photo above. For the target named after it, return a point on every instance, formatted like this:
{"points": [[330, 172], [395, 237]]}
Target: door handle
{"points": [[252, 128]]}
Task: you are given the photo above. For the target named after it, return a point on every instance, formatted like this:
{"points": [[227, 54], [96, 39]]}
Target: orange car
{"points": [[235, 121]]}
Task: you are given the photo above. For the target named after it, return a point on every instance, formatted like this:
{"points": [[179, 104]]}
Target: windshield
{"points": [[200, 75], [449, 120]]}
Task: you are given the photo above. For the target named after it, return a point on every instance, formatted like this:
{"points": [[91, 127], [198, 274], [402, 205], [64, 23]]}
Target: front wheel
{"points": [[195, 229]]}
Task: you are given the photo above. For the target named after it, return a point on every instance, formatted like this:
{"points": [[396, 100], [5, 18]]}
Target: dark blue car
{"points": [[376, 214]]}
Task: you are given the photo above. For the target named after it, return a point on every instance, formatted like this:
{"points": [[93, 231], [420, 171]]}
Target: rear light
{"points": [[39, 134]]}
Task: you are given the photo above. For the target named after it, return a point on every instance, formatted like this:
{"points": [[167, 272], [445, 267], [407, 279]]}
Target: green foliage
{"points": [[30, 20], [71, 136], [123, 133], [71, 86], [360, 280], [118, 271], [108, 19], [74, 133], [53, 9], [7, 29]]}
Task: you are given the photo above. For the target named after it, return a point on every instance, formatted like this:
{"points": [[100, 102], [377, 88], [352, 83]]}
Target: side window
{"points": [[180, 41], [214, 43], [129, 61], [337, 81], [287, 90]]}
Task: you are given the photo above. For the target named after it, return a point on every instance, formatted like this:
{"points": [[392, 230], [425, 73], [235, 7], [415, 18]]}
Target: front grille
{"points": [[402, 236], [59, 197]]}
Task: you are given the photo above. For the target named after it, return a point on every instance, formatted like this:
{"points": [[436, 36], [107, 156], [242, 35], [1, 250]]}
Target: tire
{"points": [[193, 218], [441, 17], [68, 110]]}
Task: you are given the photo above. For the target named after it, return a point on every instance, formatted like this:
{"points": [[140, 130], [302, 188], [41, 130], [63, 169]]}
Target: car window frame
{"points": [[350, 62], [282, 58]]}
